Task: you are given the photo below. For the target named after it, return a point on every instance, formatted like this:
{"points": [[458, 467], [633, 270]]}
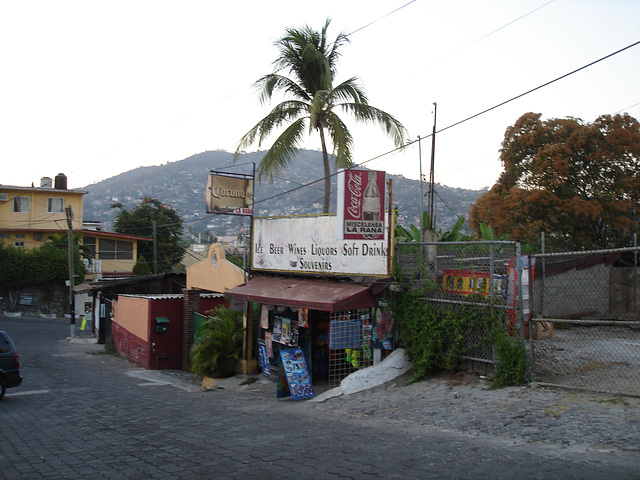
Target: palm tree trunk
{"points": [[327, 172]]}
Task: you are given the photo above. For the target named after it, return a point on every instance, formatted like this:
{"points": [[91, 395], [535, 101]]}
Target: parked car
{"points": [[9, 364]]}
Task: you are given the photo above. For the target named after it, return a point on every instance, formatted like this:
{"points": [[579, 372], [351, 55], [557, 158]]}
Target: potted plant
{"points": [[218, 345]]}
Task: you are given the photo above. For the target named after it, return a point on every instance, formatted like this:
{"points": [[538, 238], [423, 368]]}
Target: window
{"points": [[18, 244], [22, 204], [89, 244], [115, 249], [55, 205], [20, 235]]}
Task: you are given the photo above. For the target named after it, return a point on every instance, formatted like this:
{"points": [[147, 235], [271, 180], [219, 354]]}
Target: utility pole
{"points": [[155, 249], [72, 301], [432, 170], [422, 225]]}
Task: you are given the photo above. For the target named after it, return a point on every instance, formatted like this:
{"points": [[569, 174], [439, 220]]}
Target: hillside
{"points": [[182, 184]]}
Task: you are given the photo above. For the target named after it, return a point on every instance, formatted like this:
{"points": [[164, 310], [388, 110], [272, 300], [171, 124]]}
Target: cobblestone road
{"points": [[81, 414]]}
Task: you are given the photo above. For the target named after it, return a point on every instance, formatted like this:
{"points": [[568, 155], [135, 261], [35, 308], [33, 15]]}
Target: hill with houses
{"points": [[182, 184]]}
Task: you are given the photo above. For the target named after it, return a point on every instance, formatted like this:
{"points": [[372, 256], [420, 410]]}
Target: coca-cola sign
{"points": [[354, 193], [361, 204]]}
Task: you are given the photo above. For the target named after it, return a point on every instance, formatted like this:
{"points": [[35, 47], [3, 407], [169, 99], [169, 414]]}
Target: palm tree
{"points": [[312, 62]]}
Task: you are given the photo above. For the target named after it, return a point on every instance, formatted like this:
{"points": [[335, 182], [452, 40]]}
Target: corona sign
{"points": [[229, 194]]}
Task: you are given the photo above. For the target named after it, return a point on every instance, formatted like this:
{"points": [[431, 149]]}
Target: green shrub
{"points": [[218, 346], [436, 338]]}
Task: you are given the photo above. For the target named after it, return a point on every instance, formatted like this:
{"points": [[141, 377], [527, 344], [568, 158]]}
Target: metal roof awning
{"points": [[323, 295]]}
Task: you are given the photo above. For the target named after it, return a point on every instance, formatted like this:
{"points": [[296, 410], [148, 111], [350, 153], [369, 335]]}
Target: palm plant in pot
{"points": [[218, 346]]}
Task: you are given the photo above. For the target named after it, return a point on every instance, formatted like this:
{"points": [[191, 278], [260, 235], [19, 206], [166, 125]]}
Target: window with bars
{"points": [[55, 205], [109, 249], [22, 204]]}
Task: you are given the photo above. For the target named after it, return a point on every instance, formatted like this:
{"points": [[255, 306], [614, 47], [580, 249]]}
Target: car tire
{"points": [[3, 387]]}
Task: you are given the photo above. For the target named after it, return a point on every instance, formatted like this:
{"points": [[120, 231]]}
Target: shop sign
{"points": [[294, 374], [310, 244], [361, 204], [229, 194]]}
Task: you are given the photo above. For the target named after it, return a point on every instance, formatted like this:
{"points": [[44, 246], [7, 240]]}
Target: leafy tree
{"points": [[579, 182], [50, 270], [169, 228], [15, 264], [314, 101], [60, 240], [141, 267], [46, 267]]}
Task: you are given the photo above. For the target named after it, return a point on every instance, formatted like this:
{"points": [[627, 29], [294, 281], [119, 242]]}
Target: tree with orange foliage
{"points": [[578, 182]]}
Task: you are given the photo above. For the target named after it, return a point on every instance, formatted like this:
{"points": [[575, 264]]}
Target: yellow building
{"points": [[29, 216]]}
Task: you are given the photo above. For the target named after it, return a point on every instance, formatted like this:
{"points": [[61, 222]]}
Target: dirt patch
{"points": [[463, 378]]}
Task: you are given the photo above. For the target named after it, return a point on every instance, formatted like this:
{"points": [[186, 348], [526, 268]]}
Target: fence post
{"points": [[544, 266], [635, 273], [532, 355]]}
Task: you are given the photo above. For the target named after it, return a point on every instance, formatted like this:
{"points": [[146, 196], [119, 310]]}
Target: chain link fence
{"points": [[576, 314], [585, 322], [471, 280]]}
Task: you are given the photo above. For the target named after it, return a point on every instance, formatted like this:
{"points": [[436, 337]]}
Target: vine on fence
{"points": [[437, 338]]}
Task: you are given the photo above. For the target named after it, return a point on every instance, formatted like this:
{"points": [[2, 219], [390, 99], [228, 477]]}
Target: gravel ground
{"points": [[598, 358], [529, 414]]}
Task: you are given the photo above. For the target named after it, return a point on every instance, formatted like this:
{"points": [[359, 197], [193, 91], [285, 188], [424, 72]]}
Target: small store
{"points": [[340, 326], [318, 299]]}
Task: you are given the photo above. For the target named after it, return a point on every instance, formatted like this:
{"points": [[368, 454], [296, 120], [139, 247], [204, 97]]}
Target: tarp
{"points": [[326, 295]]}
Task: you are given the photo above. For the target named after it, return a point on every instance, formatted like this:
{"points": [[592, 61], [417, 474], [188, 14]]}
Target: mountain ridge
{"points": [[182, 185]]}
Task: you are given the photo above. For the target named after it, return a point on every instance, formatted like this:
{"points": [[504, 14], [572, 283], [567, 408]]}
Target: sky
{"points": [[95, 88]]}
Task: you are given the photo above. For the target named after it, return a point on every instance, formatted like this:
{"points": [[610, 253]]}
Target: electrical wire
{"points": [[383, 17], [449, 126], [539, 87]]}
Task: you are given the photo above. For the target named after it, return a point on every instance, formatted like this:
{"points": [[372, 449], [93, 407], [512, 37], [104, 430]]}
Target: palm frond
{"points": [[367, 114], [273, 82], [341, 139], [281, 114], [309, 56], [283, 149], [350, 91]]}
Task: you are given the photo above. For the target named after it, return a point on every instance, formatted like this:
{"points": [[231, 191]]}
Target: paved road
{"points": [[81, 414]]}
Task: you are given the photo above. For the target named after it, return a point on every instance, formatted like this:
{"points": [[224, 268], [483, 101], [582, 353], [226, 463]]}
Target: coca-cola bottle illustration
{"points": [[371, 200]]}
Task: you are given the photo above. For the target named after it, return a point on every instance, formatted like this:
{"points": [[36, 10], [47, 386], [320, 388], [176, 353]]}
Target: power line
{"points": [[540, 86], [382, 18], [500, 28], [464, 120], [449, 126]]}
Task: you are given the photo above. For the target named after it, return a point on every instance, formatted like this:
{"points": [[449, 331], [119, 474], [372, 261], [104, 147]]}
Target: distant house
{"points": [[111, 255]]}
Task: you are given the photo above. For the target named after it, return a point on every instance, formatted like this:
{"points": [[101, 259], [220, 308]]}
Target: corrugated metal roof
{"points": [[168, 296]]}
